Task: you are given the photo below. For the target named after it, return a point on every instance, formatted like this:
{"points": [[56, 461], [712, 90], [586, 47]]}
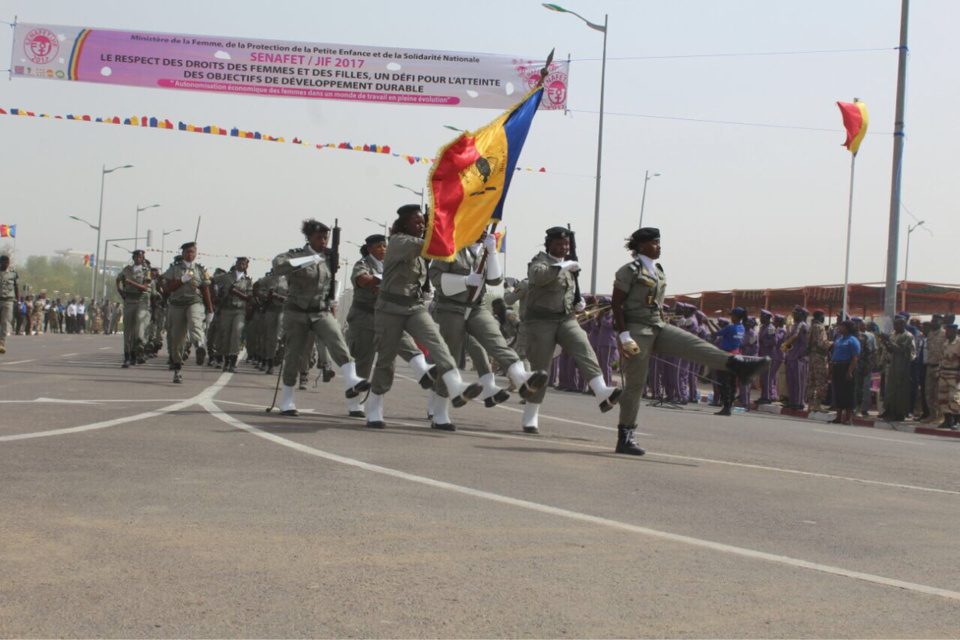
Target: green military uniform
{"points": [[643, 314], [8, 296], [273, 289], [361, 330], [519, 295], [307, 310], [458, 316], [550, 320], [253, 333], [818, 366], [948, 383], [934, 354], [136, 310], [159, 322], [185, 308], [401, 307], [232, 311]]}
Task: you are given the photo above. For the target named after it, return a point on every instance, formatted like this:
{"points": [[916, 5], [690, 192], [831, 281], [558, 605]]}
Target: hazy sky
{"points": [[738, 206]]}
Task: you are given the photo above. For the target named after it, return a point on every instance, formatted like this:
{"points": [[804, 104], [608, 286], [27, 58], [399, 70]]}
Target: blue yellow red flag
{"points": [[470, 179], [8, 231], [855, 121]]}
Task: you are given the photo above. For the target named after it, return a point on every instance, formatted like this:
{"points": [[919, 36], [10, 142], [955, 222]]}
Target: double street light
{"points": [[136, 227], [163, 245], [906, 263], [413, 191], [103, 174], [603, 76], [379, 224], [647, 177]]}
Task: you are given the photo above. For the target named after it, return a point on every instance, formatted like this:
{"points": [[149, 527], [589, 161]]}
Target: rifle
{"points": [[577, 298], [334, 260]]}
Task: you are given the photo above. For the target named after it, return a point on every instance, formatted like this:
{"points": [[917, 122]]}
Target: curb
{"points": [[857, 422]]}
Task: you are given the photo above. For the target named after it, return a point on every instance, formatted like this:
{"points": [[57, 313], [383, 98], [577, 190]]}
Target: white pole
{"points": [[93, 283], [846, 267], [643, 200], [596, 206]]}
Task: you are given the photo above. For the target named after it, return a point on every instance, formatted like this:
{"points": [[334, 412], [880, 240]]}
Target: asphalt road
{"points": [[133, 507]]}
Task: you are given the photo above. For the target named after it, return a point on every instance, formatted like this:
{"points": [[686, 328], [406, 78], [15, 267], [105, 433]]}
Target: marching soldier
{"points": [[9, 296], [551, 320], [306, 313], [236, 289], [461, 312], [401, 307], [187, 286], [272, 290], [948, 380], [638, 292], [361, 333], [133, 284], [217, 299]]}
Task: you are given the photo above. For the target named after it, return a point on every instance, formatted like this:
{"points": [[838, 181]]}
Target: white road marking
{"points": [[203, 396], [17, 362], [105, 348], [214, 410], [98, 401], [67, 355], [855, 435]]}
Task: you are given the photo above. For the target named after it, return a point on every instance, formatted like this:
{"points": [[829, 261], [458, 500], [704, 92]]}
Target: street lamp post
{"points": [[413, 191], [93, 284], [163, 245], [136, 227], [106, 245], [603, 76], [906, 264], [643, 201], [378, 223], [103, 174]]}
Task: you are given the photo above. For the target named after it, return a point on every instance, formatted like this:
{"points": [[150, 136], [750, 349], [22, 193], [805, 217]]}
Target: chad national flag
{"points": [[855, 121], [8, 231], [470, 178]]}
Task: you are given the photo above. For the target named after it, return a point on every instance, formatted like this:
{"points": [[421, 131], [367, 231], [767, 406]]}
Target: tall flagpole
{"points": [[846, 267]]}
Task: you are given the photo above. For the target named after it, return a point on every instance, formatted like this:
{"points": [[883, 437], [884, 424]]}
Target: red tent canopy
{"points": [[919, 298]]}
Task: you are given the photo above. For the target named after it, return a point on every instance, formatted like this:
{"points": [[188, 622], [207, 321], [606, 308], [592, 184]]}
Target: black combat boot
{"points": [[747, 368], [269, 366], [328, 373], [177, 376], [948, 422], [304, 378], [625, 442], [126, 361], [233, 364]]}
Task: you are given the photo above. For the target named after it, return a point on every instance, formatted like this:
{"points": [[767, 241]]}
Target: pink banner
{"points": [[284, 69]]}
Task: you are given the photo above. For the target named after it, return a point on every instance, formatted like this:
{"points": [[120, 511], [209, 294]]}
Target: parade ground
{"points": [[133, 507]]}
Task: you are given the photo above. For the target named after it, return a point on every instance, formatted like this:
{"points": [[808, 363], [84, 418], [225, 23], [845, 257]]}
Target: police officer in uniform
{"points": [[236, 289], [272, 290], [361, 331], [461, 312], [133, 284], [401, 307], [187, 286], [551, 320], [9, 295], [307, 312], [637, 306]]}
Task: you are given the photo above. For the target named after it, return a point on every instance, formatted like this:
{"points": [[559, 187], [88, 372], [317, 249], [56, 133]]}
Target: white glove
{"points": [[490, 243], [210, 317], [475, 280], [580, 306], [428, 296], [186, 277], [629, 345], [569, 265]]}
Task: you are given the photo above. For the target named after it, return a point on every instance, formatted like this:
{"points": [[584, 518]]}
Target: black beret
{"points": [[558, 233], [376, 238], [187, 245], [646, 234], [408, 210], [951, 326], [136, 251], [244, 258]]}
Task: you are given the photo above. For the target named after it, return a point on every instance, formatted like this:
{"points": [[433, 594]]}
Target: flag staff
{"points": [[846, 267], [856, 119]]}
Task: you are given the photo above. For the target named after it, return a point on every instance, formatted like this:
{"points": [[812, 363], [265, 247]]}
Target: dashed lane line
{"points": [[857, 435], [16, 362], [753, 554]]}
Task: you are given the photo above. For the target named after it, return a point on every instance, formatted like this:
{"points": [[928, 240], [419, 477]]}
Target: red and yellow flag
{"points": [[470, 178], [855, 121]]}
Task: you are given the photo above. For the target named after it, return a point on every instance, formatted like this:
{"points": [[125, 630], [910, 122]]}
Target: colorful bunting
{"points": [[153, 122]]}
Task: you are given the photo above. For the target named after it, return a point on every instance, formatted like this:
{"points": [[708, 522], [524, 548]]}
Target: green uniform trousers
{"points": [[136, 317], [363, 347], [543, 336], [669, 341], [390, 328], [159, 324], [230, 332], [6, 319], [485, 331], [186, 325], [272, 333], [300, 329]]}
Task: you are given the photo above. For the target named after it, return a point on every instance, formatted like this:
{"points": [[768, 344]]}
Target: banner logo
{"points": [[41, 46]]}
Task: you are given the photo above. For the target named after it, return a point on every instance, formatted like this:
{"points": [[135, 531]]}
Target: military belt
{"points": [[534, 314], [635, 319], [396, 298], [463, 305], [363, 306]]}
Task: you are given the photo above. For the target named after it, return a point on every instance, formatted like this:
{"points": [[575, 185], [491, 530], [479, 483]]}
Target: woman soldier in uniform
{"points": [[401, 306], [638, 291], [307, 314]]}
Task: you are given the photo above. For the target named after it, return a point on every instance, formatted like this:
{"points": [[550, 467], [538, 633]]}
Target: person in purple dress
{"points": [[604, 340], [795, 347], [767, 338], [749, 347]]}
